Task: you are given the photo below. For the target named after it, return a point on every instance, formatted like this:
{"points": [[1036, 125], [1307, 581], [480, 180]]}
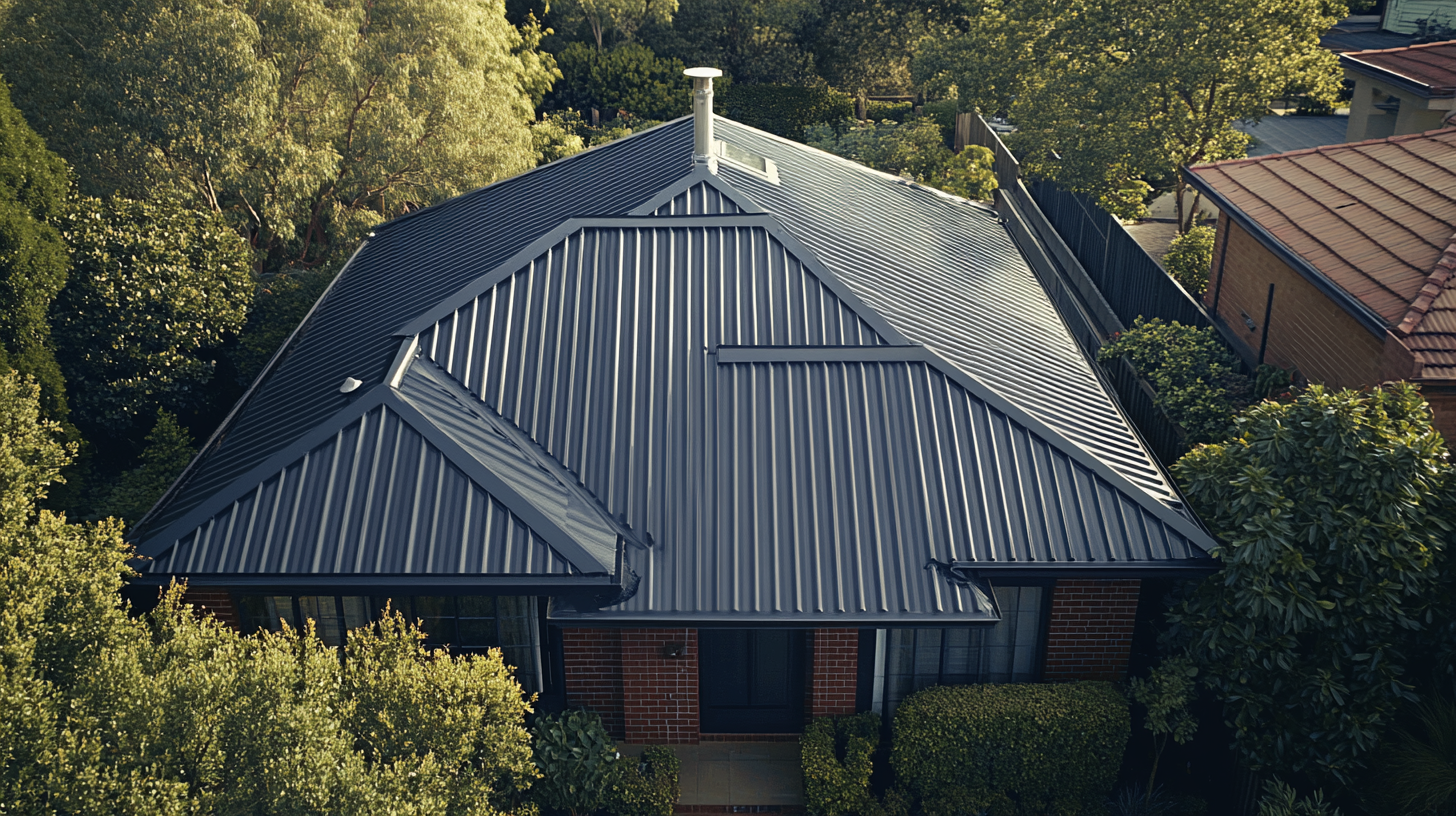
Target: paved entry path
{"points": [[737, 777]]}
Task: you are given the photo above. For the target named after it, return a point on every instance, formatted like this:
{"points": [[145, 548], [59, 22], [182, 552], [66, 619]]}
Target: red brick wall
{"points": [[659, 694], [1307, 330], [592, 664], [835, 653], [1089, 635], [219, 602]]}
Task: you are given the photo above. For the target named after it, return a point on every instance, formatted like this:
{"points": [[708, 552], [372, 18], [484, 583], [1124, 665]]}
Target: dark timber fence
{"points": [[1098, 276]]}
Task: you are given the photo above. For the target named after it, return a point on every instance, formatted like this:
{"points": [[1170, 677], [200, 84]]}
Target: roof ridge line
{"points": [[1436, 282], [1407, 48], [1323, 149], [522, 441]]}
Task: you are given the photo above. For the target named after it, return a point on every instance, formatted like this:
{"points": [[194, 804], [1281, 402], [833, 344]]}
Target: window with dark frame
{"points": [[1008, 652], [468, 624]]}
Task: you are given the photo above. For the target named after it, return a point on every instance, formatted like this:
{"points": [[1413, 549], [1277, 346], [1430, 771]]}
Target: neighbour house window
{"points": [[468, 624], [908, 660]]}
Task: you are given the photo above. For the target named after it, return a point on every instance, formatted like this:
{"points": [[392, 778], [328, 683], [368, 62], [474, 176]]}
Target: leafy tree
{"points": [[624, 17], [1166, 694], [170, 713], [866, 45], [915, 148], [34, 185], [753, 41], [156, 285], [1189, 258], [304, 121], [555, 136], [628, 77], [1331, 509], [1104, 91], [169, 449]]}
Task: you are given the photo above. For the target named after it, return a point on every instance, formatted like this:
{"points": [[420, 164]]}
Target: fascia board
{"points": [[1366, 316]]}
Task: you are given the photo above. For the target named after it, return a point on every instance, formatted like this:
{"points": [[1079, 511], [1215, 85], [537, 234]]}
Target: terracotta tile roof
{"points": [[1432, 65], [1375, 218]]}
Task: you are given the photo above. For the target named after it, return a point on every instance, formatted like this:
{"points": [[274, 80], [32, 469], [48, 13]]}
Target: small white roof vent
{"points": [[350, 385]]}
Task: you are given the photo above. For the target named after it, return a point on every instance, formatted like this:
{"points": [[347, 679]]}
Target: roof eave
{"points": [[1395, 78], [1367, 317]]}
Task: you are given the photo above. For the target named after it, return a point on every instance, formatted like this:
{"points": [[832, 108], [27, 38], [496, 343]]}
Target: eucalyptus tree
{"points": [[304, 121]]}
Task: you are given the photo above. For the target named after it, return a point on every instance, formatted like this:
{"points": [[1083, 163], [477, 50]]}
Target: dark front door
{"points": [[751, 681]]}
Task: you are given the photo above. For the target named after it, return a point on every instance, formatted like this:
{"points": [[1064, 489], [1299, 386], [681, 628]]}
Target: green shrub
{"points": [[648, 787], [916, 149], [1281, 800], [944, 113], [1128, 201], [1196, 377], [893, 111], [1189, 257], [1011, 750], [785, 110], [838, 757], [629, 77], [575, 755]]}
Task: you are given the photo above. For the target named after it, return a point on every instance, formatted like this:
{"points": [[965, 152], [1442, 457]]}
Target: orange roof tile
{"points": [[1432, 65], [1376, 218]]}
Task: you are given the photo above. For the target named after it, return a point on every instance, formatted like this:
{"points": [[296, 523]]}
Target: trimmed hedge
{"points": [[1011, 750], [837, 754], [645, 786], [785, 110]]}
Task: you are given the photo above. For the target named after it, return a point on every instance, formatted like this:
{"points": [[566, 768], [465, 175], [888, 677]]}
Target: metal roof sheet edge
{"points": [[700, 175]]}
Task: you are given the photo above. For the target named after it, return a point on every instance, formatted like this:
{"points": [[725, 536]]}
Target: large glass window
{"points": [[909, 660], [467, 624]]}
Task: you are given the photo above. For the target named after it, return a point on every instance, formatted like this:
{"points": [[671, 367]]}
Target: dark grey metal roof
{"points": [[778, 400]]}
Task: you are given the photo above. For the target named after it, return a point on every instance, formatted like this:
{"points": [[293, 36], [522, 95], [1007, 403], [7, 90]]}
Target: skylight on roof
{"points": [[749, 162]]}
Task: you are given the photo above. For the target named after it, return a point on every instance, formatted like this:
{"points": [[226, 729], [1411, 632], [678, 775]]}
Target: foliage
{"points": [[1128, 200], [752, 41], [1106, 91], [169, 449], [624, 17], [1015, 749], [784, 110], [1166, 695], [628, 77], [838, 758], [1273, 382], [555, 136], [170, 713], [1332, 508], [1194, 375], [305, 122], [155, 285], [916, 148], [1189, 258], [34, 263], [647, 787], [867, 44], [1417, 773], [574, 755], [1280, 799]]}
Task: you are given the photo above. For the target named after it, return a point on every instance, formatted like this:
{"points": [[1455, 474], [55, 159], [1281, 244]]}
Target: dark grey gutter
{"points": [[1367, 317], [346, 584], [1399, 80]]}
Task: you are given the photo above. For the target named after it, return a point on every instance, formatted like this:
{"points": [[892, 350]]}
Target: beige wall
{"points": [[1307, 330], [1416, 114]]}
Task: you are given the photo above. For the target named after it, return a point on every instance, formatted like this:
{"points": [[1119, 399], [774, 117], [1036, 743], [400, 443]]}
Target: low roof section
{"points": [[717, 395], [1427, 70], [1371, 223]]}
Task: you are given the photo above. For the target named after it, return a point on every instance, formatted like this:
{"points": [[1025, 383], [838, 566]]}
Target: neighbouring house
{"points": [[709, 431], [1418, 16], [1400, 90], [1338, 261]]}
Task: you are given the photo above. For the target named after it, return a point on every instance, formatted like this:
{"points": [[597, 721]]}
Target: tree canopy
{"points": [[304, 121], [1332, 511]]}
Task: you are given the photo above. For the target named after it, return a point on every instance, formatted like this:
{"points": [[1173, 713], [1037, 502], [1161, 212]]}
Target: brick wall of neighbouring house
{"points": [[1307, 330], [659, 694], [218, 602], [592, 664], [1089, 634], [832, 685]]}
